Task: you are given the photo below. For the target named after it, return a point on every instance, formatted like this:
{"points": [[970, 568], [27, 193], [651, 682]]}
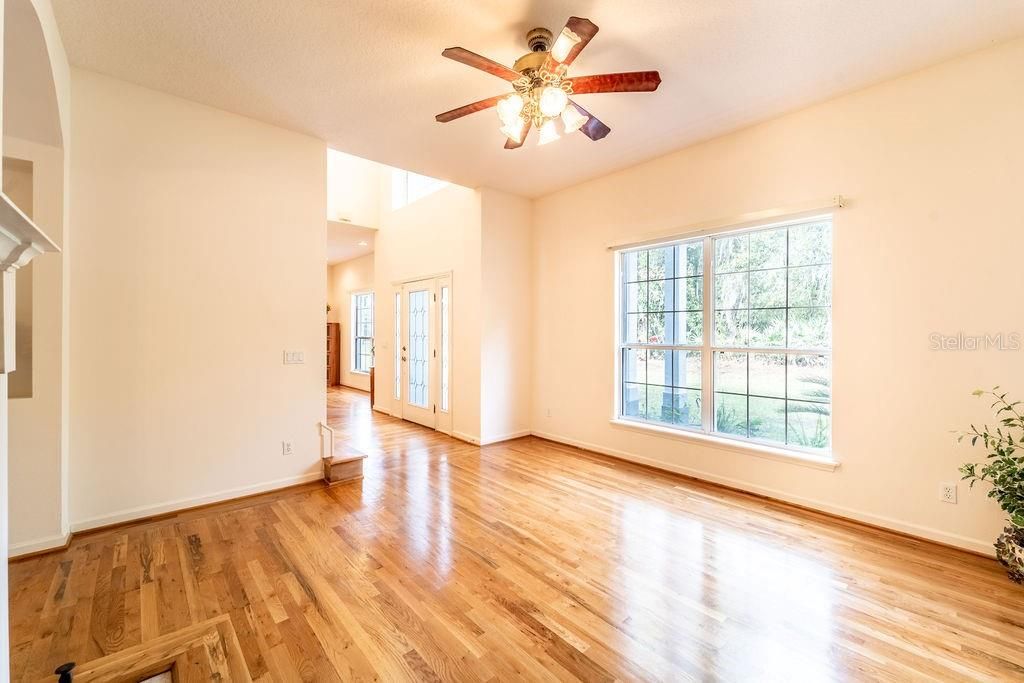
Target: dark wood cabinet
{"points": [[333, 354]]}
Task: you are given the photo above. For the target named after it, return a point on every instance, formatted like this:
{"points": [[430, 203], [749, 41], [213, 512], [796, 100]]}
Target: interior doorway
{"points": [[423, 357]]}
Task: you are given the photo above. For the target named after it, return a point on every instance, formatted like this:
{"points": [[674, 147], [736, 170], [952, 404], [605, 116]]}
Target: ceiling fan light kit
{"points": [[542, 96]]}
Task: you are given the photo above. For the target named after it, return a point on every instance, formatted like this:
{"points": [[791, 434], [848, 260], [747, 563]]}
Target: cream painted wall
{"points": [[17, 185], [199, 259], [353, 189], [5, 665], [41, 22], [931, 241], [439, 233], [343, 280], [37, 427], [506, 315]]}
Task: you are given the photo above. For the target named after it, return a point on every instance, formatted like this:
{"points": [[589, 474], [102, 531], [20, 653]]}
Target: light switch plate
{"points": [[294, 357]]}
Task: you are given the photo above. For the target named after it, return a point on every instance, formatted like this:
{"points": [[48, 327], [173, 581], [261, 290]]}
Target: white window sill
{"points": [[760, 450], [361, 372]]}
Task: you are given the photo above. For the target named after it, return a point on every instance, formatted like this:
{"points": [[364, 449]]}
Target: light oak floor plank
{"points": [[522, 560]]}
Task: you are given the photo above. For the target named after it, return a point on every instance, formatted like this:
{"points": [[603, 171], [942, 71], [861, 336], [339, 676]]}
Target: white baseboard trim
{"points": [[505, 437], [144, 511], [37, 545], [468, 438], [924, 532]]}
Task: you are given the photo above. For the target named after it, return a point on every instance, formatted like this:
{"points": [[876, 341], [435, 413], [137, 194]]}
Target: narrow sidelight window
{"points": [[362, 331]]}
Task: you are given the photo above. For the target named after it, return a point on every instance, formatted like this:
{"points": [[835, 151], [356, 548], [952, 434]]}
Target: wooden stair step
{"points": [[338, 459], [345, 466]]}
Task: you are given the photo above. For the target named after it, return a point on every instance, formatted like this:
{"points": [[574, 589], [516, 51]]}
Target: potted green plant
{"points": [[1003, 469]]}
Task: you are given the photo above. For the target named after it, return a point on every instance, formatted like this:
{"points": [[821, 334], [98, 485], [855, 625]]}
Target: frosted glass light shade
{"points": [[514, 130], [509, 109], [553, 101], [565, 42], [548, 132]]}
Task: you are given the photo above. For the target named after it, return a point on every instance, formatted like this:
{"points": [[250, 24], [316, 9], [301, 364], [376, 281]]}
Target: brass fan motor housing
{"points": [[539, 39], [531, 61]]}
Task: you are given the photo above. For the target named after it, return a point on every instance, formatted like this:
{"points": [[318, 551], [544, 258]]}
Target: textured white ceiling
{"points": [[367, 76]]}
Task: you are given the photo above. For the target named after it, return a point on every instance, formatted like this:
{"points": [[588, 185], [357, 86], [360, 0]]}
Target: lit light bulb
{"points": [[509, 108], [553, 101], [548, 132], [513, 130], [565, 42], [573, 119]]}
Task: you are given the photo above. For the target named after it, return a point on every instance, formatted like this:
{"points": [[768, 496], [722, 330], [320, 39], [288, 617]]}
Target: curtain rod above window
{"points": [[747, 220]]}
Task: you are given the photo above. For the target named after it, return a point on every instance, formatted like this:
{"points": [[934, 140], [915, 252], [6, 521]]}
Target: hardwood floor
{"points": [[523, 560]]}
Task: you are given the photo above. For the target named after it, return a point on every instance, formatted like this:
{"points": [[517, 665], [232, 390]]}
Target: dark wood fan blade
{"points": [[512, 144], [593, 128], [633, 81], [585, 29], [461, 54], [466, 109]]}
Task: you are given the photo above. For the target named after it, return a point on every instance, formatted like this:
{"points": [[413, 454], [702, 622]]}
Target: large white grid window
{"points": [[362, 331], [731, 334]]}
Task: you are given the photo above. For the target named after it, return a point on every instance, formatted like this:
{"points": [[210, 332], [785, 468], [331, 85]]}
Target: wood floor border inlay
{"points": [[202, 652]]}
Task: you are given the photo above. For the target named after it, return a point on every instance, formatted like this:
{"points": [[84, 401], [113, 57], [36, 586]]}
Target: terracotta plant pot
{"points": [[1010, 552]]}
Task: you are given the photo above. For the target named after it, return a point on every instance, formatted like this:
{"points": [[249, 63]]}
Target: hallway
{"points": [[386, 441]]}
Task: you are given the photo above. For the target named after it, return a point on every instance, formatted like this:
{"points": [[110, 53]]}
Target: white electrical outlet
{"points": [[286, 448], [549, 412], [947, 493]]}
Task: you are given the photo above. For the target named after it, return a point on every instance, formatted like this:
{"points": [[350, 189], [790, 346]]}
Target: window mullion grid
{"points": [[749, 328], [785, 372], [707, 347], [707, 357], [620, 359]]}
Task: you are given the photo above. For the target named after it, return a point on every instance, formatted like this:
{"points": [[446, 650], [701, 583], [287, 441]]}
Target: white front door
{"points": [[425, 352], [419, 373]]}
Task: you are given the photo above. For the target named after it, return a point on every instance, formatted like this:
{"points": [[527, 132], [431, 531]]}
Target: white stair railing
{"points": [[328, 452]]}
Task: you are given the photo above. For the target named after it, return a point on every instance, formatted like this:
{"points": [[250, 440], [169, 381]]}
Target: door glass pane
{"points": [[419, 343], [444, 348]]}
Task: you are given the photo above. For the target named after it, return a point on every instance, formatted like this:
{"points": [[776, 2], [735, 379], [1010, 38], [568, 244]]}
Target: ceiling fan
{"points": [[543, 88]]}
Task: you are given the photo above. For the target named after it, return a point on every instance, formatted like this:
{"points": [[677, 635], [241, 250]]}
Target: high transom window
{"points": [[731, 334]]}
